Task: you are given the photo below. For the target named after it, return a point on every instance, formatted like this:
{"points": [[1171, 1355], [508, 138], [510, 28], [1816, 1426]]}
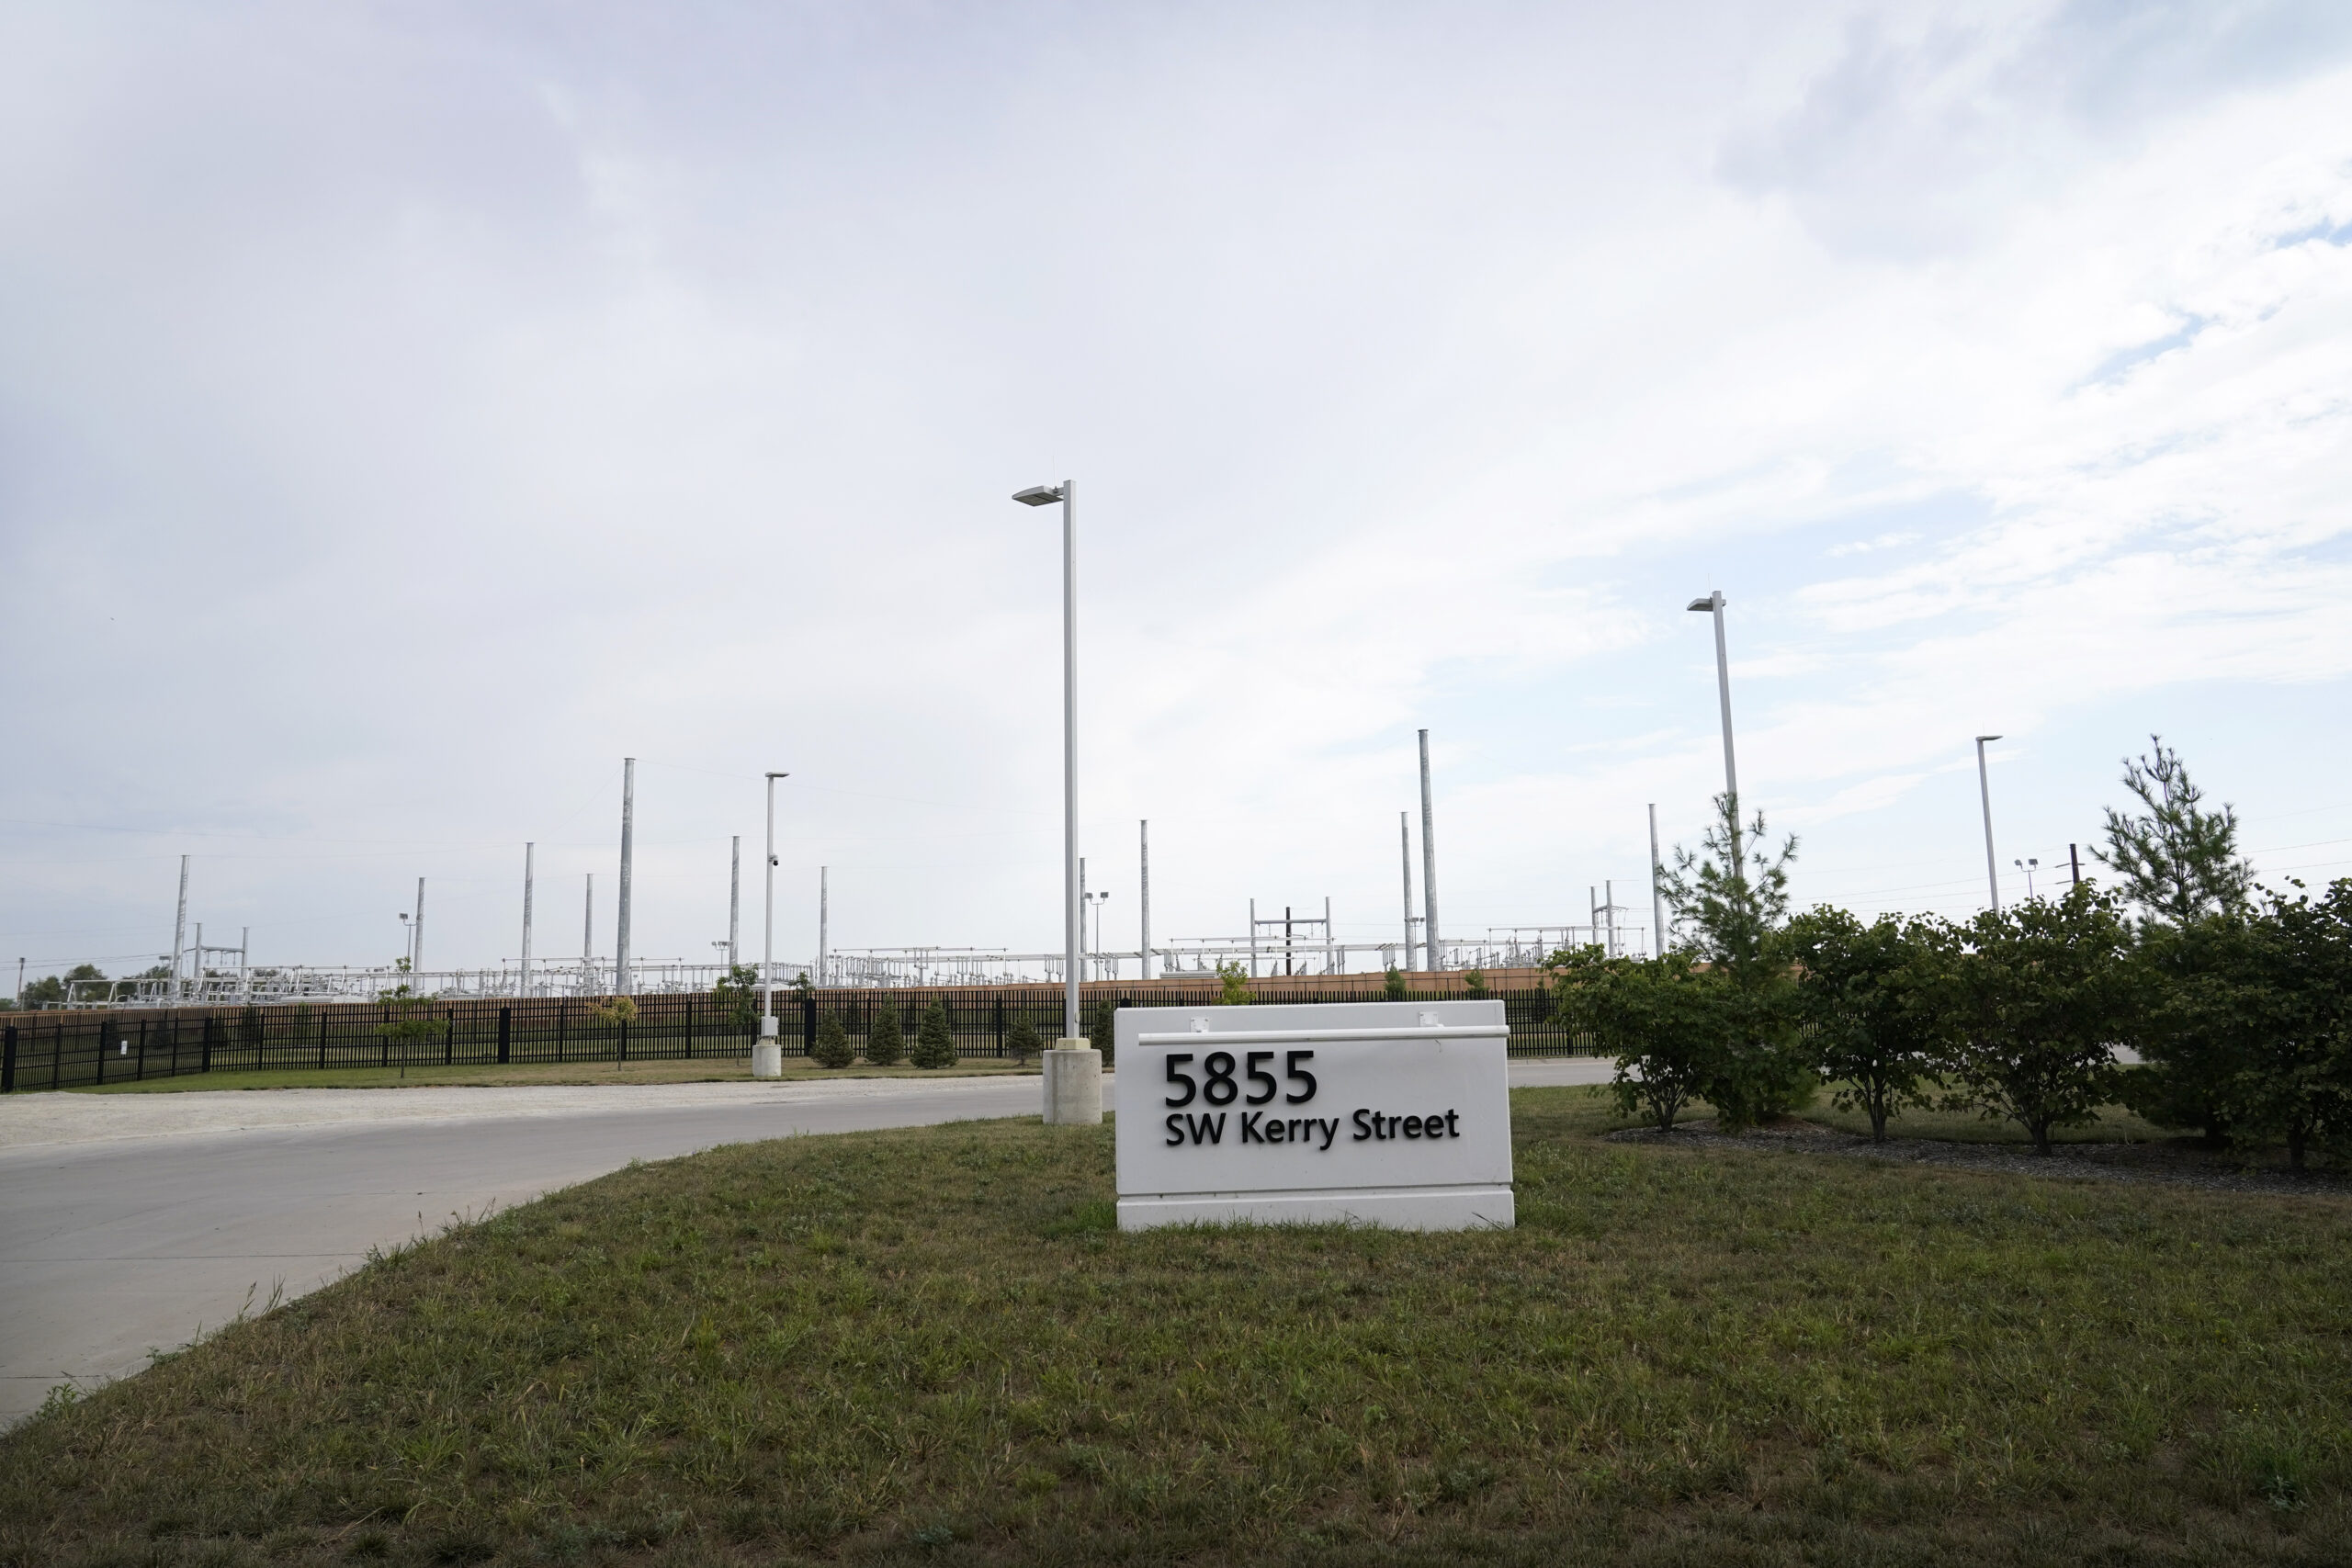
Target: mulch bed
{"points": [[2181, 1162]]}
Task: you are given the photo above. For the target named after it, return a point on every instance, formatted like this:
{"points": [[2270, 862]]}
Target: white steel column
{"points": [[624, 983], [734, 900], [179, 934], [1405, 847], [1143, 840], [522, 982], [1428, 866]]}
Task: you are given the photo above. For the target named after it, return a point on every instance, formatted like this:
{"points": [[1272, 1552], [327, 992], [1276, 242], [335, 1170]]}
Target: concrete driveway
{"points": [[130, 1223]]}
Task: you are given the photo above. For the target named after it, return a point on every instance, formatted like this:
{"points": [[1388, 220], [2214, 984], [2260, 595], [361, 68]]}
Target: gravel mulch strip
{"points": [[2180, 1163]]}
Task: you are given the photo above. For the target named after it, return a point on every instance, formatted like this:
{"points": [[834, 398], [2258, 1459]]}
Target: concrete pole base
{"points": [[767, 1056], [1073, 1084]]}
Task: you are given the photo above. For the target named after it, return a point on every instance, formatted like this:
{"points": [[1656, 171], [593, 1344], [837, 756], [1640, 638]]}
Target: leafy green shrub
{"points": [[1670, 1024], [1233, 982], [737, 997], [934, 1040], [1098, 1031], [884, 1043], [832, 1048], [1475, 982], [1392, 985], [1872, 999], [2038, 1005]]}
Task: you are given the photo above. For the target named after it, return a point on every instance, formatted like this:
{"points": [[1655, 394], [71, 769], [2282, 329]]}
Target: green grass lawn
{"points": [[535, 1074], [932, 1346]]}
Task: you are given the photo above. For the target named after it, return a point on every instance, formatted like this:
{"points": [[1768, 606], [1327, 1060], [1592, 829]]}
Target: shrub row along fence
{"points": [[75, 1049]]}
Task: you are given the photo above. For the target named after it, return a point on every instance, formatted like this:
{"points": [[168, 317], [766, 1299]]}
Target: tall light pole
{"points": [[734, 900], [1431, 952], [624, 983], [1405, 848], [1143, 844], [1657, 899], [1713, 604], [523, 979], [1985, 792], [1073, 1086], [767, 1057]]}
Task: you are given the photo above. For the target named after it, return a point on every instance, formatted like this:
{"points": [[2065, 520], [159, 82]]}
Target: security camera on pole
{"points": [[767, 1056], [1073, 1067]]}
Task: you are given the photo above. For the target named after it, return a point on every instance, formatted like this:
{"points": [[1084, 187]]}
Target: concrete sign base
{"points": [[1073, 1084], [1383, 1113]]}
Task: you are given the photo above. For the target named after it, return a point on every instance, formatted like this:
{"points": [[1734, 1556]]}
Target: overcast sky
{"points": [[408, 410]]}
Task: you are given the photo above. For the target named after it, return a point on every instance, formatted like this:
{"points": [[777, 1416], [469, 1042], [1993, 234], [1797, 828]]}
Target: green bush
{"points": [[934, 1040], [832, 1048], [2038, 1004], [1671, 1025], [1392, 985], [885, 1042], [1022, 1040], [1098, 1030]]}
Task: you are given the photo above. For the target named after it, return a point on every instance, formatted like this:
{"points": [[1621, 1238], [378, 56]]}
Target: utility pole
{"points": [[1143, 840], [522, 982], [624, 983], [417, 935], [1405, 842], [767, 1057], [1713, 604], [2075, 860], [1428, 866], [1657, 899], [588, 939], [179, 932], [1609, 909], [824, 921], [1253, 938], [734, 898], [200, 959], [1328, 968], [1984, 790], [1286, 939]]}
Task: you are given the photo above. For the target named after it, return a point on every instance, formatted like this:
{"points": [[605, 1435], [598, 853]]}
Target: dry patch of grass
{"points": [[932, 1346]]}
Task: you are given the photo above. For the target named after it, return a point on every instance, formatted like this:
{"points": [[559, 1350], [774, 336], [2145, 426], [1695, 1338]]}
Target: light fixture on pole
{"points": [[767, 1056], [1713, 604], [2028, 866], [1985, 791], [1073, 1068]]}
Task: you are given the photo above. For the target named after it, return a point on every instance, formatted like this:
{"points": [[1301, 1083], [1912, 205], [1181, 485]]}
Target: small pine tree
{"points": [[1098, 1031], [935, 1041], [1022, 1040], [884, 1043], [1475, 982], [832, 1048], [2178, 861]]}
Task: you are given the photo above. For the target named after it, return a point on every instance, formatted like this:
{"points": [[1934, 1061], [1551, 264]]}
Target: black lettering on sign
{"points": [[1256, 1073], [1250, 1133], [1364, 1126], [1221, 1067], [1412, 1126], [1297, 1074], [1207, 1129], [1177, 1059]]}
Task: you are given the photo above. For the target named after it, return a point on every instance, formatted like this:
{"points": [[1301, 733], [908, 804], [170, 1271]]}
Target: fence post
{"points": [[9, 1062], [809, 1024], [206, 1058], [505, 1034], [138, 1071], [999, 1028], [322, 1040], [690, 1024], [621, 1053]]}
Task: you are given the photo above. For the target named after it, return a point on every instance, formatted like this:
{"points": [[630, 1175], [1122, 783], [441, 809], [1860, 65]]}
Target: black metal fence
{"points": [[76, 1049]]}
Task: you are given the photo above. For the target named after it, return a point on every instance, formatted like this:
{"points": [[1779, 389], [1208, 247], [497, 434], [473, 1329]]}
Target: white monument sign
{"points": [[1388, 1113]]}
